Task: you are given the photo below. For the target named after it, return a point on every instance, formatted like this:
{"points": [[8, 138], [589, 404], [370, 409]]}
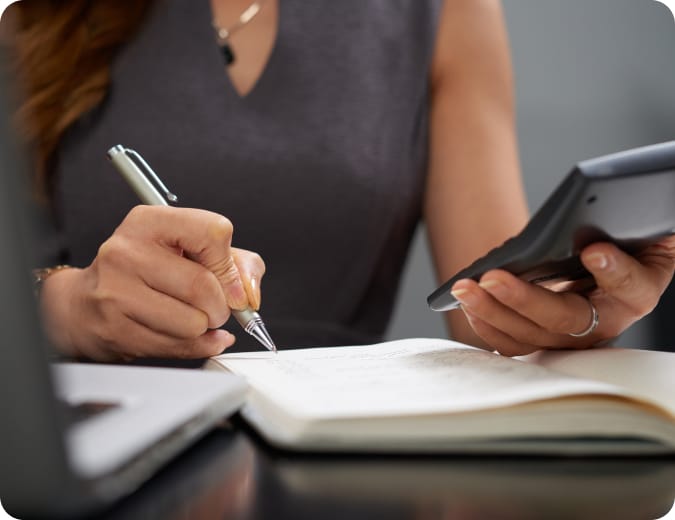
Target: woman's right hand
{"points": [[159, 287]]}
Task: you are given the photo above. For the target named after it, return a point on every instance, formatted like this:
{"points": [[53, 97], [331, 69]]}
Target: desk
{"points": [[232, 474]]}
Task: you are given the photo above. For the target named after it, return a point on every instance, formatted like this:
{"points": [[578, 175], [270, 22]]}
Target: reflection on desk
{"points": [[232, 474], [213, 479]]}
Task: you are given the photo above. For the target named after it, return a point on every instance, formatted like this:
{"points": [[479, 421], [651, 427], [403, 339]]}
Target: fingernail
{"points": [[255, 290], [491, 286], [598, 260], [463, 296], [237, 298]]}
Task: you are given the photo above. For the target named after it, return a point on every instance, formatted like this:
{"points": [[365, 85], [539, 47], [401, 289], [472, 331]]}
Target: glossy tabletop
{"points": [[231, 473]]}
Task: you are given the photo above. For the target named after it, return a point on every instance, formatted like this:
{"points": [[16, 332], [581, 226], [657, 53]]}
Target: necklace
{"points": [[225, 33]]}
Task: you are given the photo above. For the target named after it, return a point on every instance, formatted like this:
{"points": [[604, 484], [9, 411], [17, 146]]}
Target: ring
{"points": [[595, 319]]}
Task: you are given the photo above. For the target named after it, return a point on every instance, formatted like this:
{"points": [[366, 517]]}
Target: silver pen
{"points": [[129, 163]]}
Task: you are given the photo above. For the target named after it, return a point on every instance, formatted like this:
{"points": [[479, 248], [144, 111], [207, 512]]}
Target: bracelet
{"points": [[40, 275]]}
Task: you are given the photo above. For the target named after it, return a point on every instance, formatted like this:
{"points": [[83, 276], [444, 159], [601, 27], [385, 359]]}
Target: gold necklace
{"points": [[224, 34]]}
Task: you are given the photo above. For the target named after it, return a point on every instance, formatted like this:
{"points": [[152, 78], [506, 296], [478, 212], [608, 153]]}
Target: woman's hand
{"points": [[515, 317], [159, 287]]}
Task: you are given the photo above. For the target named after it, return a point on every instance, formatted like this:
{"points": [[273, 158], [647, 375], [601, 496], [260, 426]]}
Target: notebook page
{"points": [[647, 374], [410, 376]]}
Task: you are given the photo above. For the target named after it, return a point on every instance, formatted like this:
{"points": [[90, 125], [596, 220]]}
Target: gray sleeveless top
{"points": [[321, 167]]}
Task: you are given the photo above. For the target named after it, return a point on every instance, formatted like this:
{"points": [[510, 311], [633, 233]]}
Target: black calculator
{"points": [[627, 198]]}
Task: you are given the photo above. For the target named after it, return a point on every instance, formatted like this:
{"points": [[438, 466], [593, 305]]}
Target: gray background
{"points": [[592, 77]]}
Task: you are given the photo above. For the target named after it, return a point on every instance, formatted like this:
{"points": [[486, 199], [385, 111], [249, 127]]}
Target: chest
{"points": [[330, 141]]}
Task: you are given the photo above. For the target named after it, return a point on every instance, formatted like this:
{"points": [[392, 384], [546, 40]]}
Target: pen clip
{"points": [[150, 173]]}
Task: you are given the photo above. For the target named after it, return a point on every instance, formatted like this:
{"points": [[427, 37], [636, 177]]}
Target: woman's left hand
{"points": [[515, 317]]}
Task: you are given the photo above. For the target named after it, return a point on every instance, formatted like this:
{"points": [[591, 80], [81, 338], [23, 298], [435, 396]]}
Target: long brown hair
{"points": [[62, 53]]}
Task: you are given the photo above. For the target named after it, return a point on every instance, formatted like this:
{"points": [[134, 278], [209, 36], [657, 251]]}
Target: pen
{"points": [[129, 163]]}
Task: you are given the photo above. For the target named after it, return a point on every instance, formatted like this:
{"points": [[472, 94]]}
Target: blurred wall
{"points": [[592, 77]]}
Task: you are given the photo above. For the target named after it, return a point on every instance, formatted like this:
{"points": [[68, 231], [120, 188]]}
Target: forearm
{"points": [[474, 196]]}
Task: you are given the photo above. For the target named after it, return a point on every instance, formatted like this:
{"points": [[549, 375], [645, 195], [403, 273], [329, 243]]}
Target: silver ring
{"points": [[595, 319]]}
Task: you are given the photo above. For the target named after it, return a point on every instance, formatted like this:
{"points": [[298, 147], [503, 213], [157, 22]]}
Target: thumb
{"points": [[225, 269], [203, 236], [216, 256]]}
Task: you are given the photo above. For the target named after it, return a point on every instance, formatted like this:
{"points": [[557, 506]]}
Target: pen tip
{"points": [[259, 332]]}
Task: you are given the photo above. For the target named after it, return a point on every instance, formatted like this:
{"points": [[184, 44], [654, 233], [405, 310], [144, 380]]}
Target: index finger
{"points": [[202, 236]]}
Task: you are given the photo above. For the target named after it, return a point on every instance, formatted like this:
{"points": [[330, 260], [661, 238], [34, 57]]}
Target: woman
{"points": [[323, 131]]}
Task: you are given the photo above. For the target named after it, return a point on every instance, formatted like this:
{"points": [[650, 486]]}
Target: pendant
{"points": [[228, 55]]}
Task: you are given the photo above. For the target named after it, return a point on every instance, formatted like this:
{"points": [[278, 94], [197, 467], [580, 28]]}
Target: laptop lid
{"points": [[51, 466], [30, 437]]}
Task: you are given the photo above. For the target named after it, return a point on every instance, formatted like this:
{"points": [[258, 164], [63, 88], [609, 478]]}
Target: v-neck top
{"points": [[321, 167]]}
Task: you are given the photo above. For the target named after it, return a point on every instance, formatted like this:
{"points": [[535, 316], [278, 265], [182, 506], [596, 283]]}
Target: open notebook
{"points": [[438, 395]]}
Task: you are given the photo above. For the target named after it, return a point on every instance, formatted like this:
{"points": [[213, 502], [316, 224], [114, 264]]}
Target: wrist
{"points": [[40, 276], [54, 289]]}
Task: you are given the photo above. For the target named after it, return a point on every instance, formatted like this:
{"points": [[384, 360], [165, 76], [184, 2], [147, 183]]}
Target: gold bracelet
{"points": [[40, 275]]}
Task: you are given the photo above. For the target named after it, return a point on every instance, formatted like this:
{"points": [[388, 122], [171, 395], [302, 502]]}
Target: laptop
{"points": [[75, 437]]}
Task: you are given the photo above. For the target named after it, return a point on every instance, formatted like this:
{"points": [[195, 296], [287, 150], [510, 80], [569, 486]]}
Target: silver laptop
{"points": [[74, 437]]}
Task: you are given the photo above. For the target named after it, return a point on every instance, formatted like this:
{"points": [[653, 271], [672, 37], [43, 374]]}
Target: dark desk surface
{"points": [[233, 474]]}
